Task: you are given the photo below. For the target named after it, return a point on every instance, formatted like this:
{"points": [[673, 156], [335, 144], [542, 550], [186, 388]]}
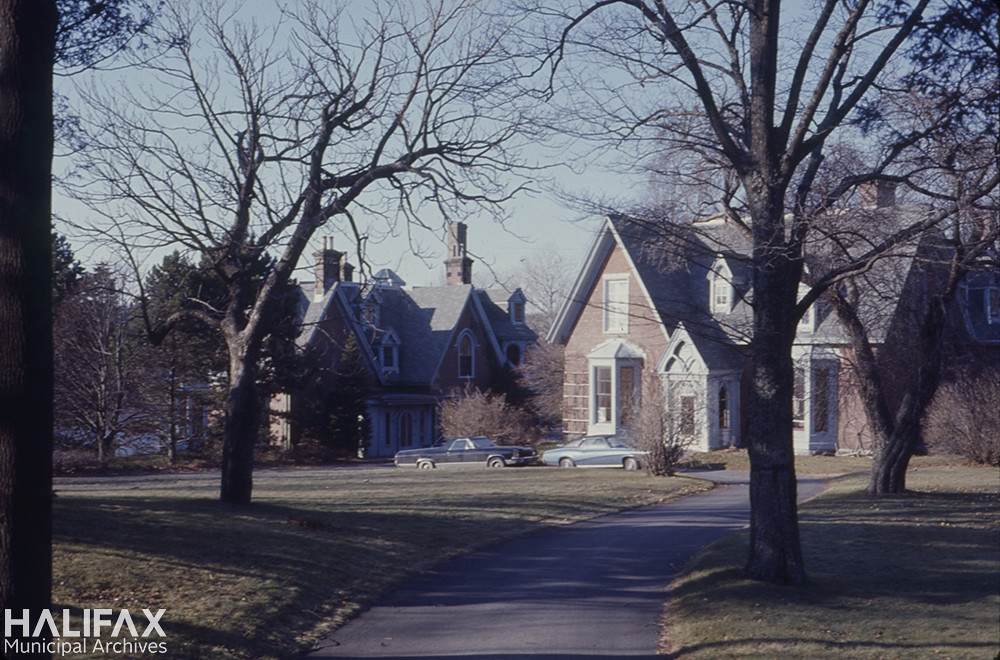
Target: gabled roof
{"points": [[494, 305], [672, 269], [423, 322]]}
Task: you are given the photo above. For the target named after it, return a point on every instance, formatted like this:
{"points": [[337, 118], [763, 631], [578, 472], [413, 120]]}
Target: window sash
{"points": [[602, 394], [616, 305], [465, 364]]}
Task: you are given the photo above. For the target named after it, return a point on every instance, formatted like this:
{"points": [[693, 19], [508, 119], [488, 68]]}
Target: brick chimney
{"points": [[877, 194], [458, 265], [328, 268]]}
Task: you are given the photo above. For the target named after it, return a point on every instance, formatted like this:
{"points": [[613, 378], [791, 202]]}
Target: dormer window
{"points": [[517, 313], [388, 357], [720, 293], [388, 352]]}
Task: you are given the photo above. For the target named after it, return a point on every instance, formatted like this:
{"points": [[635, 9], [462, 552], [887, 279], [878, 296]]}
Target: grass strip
{"points": [[912, 576]]}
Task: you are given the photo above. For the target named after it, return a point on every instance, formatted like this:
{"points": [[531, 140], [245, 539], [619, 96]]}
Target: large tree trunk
{"points": [[27, 42], [895, 438], [891, 460], [775, 549], [242, 423]]}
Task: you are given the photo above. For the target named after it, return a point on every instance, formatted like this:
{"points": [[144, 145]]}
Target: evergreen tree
{"points": [[349, 424], [66, 270]]}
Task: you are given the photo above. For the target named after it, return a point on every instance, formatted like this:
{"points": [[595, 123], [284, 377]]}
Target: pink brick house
{"points": [[676, 309]]}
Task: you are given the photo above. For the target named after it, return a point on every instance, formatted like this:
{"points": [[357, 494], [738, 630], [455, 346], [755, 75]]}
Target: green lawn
{"points": [[915, 576], [265, 580]]}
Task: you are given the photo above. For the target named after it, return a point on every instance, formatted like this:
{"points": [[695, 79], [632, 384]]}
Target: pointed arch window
{"points": [[466, 356]]}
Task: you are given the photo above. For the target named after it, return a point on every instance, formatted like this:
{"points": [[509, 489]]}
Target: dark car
{"points": [[476, 450], [596, 451]]}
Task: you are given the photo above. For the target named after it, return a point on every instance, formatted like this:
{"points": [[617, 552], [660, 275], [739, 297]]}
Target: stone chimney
{"points": [[877, 194], [458, 265], [328, 268]]}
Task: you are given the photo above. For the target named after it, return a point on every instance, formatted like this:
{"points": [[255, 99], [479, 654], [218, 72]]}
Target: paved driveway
{"points": [[593, 589]]}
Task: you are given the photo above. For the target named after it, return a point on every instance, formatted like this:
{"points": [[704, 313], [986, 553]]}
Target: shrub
{"points": [[483, 413], [659, 431], [964, 417]]}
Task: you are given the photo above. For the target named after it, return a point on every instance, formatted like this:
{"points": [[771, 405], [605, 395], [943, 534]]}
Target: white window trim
{"points": [[612, 424], [721, 284], [623, 328]]}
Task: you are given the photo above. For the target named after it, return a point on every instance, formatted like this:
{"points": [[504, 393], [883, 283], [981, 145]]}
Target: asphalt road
{"points": [[593, 589]]}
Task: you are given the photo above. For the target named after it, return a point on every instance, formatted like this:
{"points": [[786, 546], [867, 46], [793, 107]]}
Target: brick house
{"points": [[678, 311], [418, 344]]}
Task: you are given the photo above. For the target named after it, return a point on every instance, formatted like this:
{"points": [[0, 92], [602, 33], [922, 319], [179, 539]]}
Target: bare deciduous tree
{"points": [[248, 135], [96, 365], [749, 100], [665, 431], [964, 417]]}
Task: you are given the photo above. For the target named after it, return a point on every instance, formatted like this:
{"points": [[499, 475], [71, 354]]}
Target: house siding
{"points": [[644, 332]]}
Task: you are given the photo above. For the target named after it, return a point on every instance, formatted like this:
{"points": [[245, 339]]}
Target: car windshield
{"points": [[482, 443]]}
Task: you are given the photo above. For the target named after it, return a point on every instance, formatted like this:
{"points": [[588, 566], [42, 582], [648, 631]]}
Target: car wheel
{"points": [[566, 462], [425, 465], [496, 461], [630, 463]]}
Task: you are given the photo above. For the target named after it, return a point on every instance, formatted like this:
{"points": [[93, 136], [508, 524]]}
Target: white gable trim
{"points": [[600, 248], [484, 322], [681, 357], [593, 269]]}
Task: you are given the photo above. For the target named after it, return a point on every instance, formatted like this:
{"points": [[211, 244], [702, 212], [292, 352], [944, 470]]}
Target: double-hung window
{"points": [[616, 304]]}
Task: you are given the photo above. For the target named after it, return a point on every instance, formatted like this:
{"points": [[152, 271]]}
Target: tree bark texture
{"points": [[892, 457], [775, 550], [242, 424], [896, 435], [27, 43]]}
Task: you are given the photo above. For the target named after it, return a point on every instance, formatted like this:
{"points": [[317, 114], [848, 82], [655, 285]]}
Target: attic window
{"points": [[517, 313], [388, 353], [466, 364], [993, 303], [616, 305], [721, 295], [388, 357]]}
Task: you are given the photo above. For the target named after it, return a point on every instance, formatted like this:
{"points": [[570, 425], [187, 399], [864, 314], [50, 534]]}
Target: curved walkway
{"points": [[592, 589]]}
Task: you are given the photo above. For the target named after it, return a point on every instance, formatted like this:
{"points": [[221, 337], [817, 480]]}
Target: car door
{"points": [[457, 451], [479, 451], [593, 451], [605, 453]]}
